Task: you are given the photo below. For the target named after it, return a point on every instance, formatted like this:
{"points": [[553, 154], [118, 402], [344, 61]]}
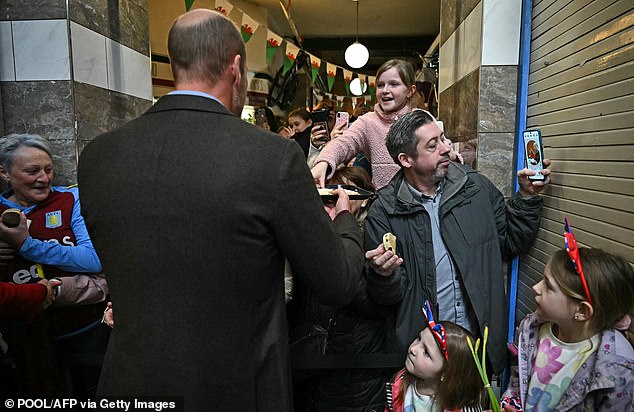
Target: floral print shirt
{"points": [[554, 366], [604, 382], [416, 402]]}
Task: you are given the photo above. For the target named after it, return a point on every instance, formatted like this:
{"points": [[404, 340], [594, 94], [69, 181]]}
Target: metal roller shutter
{"points": [[581, 96]]}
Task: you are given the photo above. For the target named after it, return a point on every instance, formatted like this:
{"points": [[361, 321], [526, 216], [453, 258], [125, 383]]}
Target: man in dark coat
{"points": [[192, 211], [453, 230]]}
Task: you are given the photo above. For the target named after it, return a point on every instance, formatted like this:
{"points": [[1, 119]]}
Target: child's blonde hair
{"points": [[460, 385], [610, 281]]}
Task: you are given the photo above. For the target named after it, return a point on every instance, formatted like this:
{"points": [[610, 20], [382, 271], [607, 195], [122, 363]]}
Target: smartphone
{"points": [[320, 119], [534, 153], [342, 118]]}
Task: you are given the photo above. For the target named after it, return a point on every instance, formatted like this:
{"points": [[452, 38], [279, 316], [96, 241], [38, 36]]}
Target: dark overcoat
{"points": [[192, 212]]}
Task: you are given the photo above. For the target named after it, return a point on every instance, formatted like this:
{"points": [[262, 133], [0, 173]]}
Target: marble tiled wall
{"points": [[461, 53], [495, 159], [34, 50], [498, 97], [32, 9], [106, 83], [496, 124], [501, 20], [498, 91], [452, 13], [44, 108], [479, 54], [459, 108], [103, 62], [40, 107], [123, 21], [99, 110]]}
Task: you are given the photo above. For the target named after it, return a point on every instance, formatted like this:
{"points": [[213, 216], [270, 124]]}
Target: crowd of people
{"points": [[233, 284]]}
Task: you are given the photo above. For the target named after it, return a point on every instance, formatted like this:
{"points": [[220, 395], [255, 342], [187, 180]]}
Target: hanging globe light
{"points": [[357, 88], [357, 54]]}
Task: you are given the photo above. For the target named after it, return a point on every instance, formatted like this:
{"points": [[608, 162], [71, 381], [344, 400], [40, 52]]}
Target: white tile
{"points": [[89, 56], [501, 32], [447, 63], [129, 71], [40, 48], [471, 42], [461, 52], [7, 68]]}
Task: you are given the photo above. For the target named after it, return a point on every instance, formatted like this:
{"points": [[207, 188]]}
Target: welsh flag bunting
{"points": [[347, 78], [273, 42], [372, 85], [188, 4], [315, 64], [363, 78], [291, 55], [248, 27], [339, 102], [224, 7], [331, 71]]}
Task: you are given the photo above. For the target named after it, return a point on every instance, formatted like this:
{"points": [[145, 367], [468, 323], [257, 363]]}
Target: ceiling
{"points": [[390, 29]]}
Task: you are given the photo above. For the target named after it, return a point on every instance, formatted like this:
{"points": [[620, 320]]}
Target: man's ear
{"points": [[236, 70], [405, 160]]}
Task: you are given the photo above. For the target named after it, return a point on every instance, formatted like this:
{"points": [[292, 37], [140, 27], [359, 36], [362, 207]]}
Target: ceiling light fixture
{"points": [[357, 54], [357, 88]]}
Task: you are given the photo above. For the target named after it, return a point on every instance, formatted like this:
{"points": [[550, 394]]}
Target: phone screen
{"points": [[534, 153], [320, 119]]}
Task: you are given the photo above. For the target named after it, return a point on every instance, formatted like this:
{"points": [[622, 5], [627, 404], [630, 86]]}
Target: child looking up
{"points": [[439, 373], [570, 356]]}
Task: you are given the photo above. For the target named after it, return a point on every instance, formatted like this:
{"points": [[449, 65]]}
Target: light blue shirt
{"points": [[450, 292], [194, 93]]}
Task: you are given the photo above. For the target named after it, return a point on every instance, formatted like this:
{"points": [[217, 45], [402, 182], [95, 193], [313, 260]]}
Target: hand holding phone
{"points": [[319, 136], [320, 120], [534, 154]]}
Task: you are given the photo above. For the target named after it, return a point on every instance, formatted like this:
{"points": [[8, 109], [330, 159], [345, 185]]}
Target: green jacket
{"points": [[478, 228]]}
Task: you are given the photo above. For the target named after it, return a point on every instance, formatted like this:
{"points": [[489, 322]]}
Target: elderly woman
{"points": [[50, 241]]}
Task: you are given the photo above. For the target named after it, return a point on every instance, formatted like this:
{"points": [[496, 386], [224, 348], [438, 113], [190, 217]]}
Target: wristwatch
{"points": [[58, 288]]}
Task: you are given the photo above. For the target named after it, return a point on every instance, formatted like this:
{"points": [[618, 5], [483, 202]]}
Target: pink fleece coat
{"points": [[366, 135]]}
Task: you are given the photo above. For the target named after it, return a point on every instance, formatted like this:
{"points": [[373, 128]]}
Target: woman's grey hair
{"points": [[9, 144]]}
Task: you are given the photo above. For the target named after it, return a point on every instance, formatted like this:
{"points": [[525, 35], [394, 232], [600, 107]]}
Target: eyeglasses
{"points": [[573, 253], [436, 329]]}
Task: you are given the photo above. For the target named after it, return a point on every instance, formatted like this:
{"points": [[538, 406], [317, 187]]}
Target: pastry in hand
{"points": [[389, 242]]}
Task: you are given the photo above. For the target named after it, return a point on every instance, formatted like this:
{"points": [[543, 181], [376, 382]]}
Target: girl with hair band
{"points": [[439, 373], [572, 356], [395, 86]]}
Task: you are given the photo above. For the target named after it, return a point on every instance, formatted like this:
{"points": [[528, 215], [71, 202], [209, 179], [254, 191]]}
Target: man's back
{"points": [[192, 211]]}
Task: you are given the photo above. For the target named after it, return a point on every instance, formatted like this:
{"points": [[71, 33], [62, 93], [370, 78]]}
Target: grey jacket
{"points": [[603, 383], [478, 229]]}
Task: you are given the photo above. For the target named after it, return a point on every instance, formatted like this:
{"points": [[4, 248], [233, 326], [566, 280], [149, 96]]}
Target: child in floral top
{"points": [[570, 357]]}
